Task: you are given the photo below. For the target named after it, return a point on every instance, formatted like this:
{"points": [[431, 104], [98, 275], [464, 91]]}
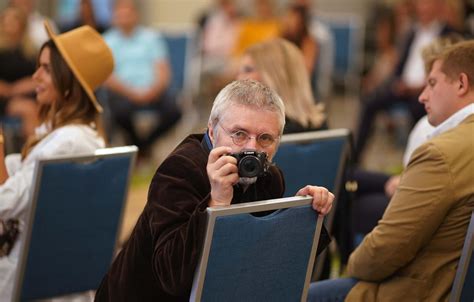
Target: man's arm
{"points": [[412, 217]]}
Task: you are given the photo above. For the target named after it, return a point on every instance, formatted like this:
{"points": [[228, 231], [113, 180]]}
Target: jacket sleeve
{"points": [[414, 214], [179, 196]]}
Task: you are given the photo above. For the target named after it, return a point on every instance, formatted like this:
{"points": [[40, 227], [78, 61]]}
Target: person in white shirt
{"points": [[413, 252], [405, 84], [71, 124]]}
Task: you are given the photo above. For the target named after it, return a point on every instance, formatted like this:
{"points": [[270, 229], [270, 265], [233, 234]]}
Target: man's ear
{"points": [[210, 131], [463, 83]]}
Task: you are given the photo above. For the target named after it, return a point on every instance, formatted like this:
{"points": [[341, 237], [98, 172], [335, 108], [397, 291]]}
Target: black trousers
{"points": [[383, 98], [121, 113]]}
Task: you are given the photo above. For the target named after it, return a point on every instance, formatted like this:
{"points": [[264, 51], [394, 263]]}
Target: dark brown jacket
{"points": [[159, 260]]}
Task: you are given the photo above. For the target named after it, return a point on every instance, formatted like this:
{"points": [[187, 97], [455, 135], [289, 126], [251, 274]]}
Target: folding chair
{"points": [[463, 286], [316, 158], [73, 224], [249, 257]]}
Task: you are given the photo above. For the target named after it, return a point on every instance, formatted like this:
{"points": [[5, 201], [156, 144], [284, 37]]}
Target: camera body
{"points": [[251, 163]]}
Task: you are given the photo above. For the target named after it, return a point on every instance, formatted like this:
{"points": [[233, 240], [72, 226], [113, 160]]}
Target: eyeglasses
{"points": [[241, 137]]}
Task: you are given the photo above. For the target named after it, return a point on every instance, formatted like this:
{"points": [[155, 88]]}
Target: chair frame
{"points": [[464, 262], [251, 207], [37, 176]]}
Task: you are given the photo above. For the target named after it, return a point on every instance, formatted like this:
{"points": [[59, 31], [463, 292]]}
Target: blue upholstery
{"points": [[347, 31], [182, 56], [177, 46], [73, 225], [261, 258], [315, 160], [463, 286]]}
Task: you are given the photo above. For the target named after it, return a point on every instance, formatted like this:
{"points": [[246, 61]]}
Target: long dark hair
{"points": [[73, 106], [304, 18]]}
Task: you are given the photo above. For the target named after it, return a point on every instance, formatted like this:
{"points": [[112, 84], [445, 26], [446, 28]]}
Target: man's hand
{"points": [[322, 198], [391, 185], [223, 174]]}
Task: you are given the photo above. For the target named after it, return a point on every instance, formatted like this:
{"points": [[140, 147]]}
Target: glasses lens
{"points": [[239, 137], [265, 140]]}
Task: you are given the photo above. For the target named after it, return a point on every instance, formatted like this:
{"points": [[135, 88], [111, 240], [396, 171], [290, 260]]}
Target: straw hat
{"points": [[87, 55]]}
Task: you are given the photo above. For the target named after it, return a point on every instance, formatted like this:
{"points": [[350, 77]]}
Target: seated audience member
{"points": [[295, 29], [159, 260], [36, 30], [262, 26], [85, 15], [280, 65], [375, 189], [385, 53], [407, 81], [17, 61], [219, 35], [70, 124], [413, 252], [141, 77]]}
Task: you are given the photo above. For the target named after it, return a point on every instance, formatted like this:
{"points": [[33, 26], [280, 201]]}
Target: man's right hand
{"points": [[223, 174]]}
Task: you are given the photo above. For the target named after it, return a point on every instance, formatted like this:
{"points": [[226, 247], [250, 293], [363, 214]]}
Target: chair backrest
{"points": [[348, 33], [315, 158], [463, 286], [73, 224], [249, 257], [183, 56]]}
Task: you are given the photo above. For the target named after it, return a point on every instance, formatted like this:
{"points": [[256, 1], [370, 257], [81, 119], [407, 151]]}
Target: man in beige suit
{"points": [[412, 254]]}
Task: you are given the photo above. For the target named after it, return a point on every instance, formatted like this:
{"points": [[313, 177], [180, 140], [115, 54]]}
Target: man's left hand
{"points": [[322, 198]]}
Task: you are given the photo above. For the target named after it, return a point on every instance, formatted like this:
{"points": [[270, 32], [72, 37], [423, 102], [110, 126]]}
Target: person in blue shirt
{"points": [[141, 77]]}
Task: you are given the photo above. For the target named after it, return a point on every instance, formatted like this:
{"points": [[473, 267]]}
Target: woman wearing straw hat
{"points": [[70, 66]]}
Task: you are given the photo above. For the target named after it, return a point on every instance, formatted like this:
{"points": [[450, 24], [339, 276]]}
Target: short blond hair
{"points": [[432, 51], [457, 59]]}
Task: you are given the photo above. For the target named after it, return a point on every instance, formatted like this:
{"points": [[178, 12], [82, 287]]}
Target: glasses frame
{"points": [[249, 137]]}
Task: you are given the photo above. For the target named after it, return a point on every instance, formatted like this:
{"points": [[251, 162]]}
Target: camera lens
{"points": [[249, 166]]}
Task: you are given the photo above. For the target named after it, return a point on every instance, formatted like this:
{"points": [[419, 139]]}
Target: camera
{"points": [[251, 163]]}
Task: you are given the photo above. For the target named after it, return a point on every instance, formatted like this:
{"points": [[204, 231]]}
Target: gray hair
{"points": [[248, 93]]}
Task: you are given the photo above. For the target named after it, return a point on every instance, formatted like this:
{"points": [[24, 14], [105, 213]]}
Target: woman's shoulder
{"points": [[70, 139]]}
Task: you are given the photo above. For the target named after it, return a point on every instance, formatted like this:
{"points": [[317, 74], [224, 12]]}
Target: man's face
{"points": [[125, 16], [439, 95], [253, 122]]}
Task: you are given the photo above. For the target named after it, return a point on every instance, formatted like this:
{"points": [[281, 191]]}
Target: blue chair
{"points": [[249, 257], [73, 224], [348, 33], [316, 158], [463, 286], [184, 60]]}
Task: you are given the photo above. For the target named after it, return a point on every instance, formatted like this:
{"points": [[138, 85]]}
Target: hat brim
{"points": [[72, 66]]}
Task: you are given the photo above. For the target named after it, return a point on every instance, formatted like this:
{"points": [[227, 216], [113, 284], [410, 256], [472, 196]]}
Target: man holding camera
{"points": [[226, 165]]}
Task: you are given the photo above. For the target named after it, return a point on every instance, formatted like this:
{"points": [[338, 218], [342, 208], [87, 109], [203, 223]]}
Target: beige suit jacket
{"points": [[412, 254]]}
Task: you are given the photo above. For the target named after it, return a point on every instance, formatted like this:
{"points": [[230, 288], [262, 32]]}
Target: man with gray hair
{"points": [[159, 260]]}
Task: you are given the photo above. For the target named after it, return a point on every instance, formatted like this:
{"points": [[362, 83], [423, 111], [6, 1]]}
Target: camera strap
{"points": [[207, 139]]}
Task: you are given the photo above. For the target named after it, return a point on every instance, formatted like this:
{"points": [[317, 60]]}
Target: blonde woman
{"points": [[70, 66], [280, 65]]}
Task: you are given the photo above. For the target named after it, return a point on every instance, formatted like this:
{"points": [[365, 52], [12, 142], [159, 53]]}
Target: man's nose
{"points": [[422, 98], [251, 143]]}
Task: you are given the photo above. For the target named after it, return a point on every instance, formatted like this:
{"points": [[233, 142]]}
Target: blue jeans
{"points": [[330, 290]]}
